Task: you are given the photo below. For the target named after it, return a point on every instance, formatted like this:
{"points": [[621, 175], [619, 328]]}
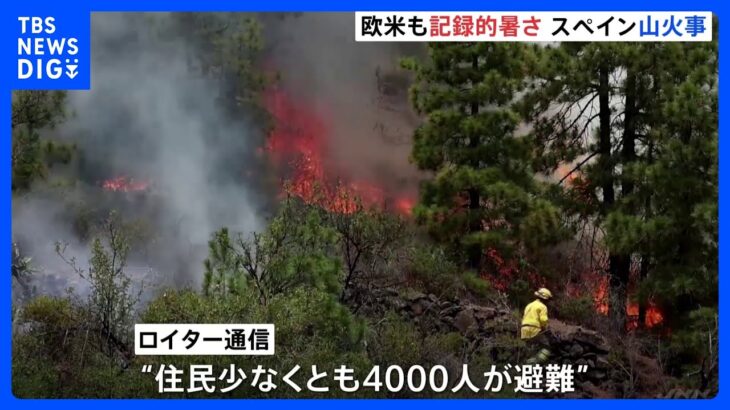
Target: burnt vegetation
{"points": [[591, 169]]}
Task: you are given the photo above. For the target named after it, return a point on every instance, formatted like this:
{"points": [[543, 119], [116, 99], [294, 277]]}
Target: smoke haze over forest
{"points": [[153, 117]]}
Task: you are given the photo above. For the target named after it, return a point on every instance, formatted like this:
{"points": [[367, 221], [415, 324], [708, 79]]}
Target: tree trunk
{"points": [[628, 156], [475, 222], [643, 303], [616, 300], [645, 263]]}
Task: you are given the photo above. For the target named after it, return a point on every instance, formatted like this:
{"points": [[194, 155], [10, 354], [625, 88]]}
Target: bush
{"points": [[520, 292], [579, 310], [692, 353], [297, 249], [476, 285], [307, 314], [394, 341], [434, 272]]}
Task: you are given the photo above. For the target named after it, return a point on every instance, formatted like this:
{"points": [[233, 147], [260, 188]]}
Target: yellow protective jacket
{"points": [[534, 320]]}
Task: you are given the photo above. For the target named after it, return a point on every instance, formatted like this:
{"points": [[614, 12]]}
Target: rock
{"points": [[464, 321], [597, 375], [451, 310], [398, 304], [448, 321], [417, 309], [602, 363], [595, 392], [390, 292], [412, 295], [591, 339], [481, 325], [483, 313], [576, 350]]}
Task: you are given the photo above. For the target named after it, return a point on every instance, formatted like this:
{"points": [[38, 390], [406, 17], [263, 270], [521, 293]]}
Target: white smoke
{"points": [[151, 115]]}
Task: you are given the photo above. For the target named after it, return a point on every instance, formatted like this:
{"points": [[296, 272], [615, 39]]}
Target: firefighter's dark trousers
{"points": [[538, 348]]}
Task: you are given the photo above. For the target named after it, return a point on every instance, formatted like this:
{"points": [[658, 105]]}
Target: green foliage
{"points": [[677, 184], [62, 353], [110, 287], [520, 292], [578, 310], [111, 297], [50, 314], [643, 149], [482, 191], [693, 351], [296, 249], [395, 341], [476, 285], [223, 267], [371, 244], [68, 346], [21, 270], [543, 225], [31, 156], [433, 271], [312, 328], [48, 320], [309, 311], [644, 174], [188, 306]]}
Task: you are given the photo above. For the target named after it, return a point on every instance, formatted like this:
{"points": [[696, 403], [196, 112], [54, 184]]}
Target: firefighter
{"points": [[534, 325]]}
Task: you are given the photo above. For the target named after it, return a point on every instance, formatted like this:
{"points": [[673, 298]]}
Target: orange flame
{"points": [[124, 184], [298, 144], [653, 317]]}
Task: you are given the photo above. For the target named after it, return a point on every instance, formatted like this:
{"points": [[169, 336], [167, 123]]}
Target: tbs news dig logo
{"points": [[42, 53]]}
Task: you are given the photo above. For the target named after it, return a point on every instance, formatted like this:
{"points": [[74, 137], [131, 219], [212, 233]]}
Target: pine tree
{"points": [[641, 156], [677, 182], [33, 111], [481, 188], [585, 115], [678, 232]]}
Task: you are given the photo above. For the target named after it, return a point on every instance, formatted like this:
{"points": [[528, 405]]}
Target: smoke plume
{"points": [[358, 89], [152, 116]]}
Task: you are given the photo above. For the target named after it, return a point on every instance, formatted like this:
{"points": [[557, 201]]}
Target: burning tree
{"points": [[621, 114]]}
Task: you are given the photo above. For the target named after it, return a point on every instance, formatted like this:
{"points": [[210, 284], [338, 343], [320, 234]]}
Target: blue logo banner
{"points": [[51, 49]]}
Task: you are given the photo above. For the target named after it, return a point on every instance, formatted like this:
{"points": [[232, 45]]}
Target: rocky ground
{"points": [[485, 325]]}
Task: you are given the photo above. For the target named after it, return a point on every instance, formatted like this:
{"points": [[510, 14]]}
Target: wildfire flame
{"points": [[297, 144], [574, 180], [654, 315], [124, 184]]}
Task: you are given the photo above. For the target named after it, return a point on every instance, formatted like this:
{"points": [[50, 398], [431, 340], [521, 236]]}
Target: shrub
{"points": [[578, 310], [434, 271]]}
